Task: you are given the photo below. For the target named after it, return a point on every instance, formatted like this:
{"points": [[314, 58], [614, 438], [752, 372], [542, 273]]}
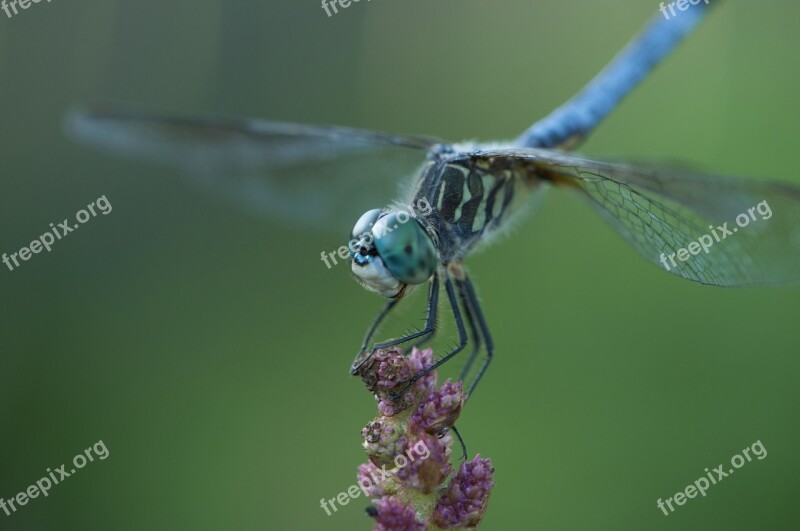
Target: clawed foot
{"points": [[364, 366], [360, 360], [394, 396]]}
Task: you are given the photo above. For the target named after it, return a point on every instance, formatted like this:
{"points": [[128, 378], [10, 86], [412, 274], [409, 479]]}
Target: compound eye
{"points": [[405, 248]]}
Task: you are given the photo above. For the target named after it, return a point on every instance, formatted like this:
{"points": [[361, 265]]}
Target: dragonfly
{"points": [[309, 175]]}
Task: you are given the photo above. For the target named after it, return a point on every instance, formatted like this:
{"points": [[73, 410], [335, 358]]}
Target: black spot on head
{"points": [[408, 249]]}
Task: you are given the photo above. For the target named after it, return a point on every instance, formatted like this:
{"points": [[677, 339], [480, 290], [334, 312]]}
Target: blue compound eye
{"points": [[405, 247]]}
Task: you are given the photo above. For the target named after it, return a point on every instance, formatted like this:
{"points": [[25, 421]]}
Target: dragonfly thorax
{"points": [[391, 252]]}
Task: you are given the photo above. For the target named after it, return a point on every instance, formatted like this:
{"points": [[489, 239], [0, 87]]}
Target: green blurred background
{"points": [[209, 349]]}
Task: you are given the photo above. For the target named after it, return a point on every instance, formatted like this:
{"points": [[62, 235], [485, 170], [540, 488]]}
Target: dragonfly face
{"points": [[391, 252]]}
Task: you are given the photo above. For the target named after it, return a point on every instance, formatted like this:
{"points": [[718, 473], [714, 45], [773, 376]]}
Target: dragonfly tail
{"points": [[569, 125]]}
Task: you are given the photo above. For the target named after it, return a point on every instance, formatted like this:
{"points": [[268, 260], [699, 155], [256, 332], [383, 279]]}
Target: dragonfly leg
{"points": [[357, 363], [473, 305], [430, 321], [461, 441], [425, 333], [462, 339], [475, 333]]}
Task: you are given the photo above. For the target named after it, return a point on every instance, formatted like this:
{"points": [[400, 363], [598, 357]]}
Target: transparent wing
{"points": [[311, 175], [715, 230]]}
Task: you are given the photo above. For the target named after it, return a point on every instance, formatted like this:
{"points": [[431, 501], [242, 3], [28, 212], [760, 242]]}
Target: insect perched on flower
{"points": [[311, 174]]}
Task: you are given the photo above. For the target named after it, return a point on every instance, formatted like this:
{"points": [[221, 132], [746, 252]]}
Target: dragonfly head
{"points": [[391, 252]]}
